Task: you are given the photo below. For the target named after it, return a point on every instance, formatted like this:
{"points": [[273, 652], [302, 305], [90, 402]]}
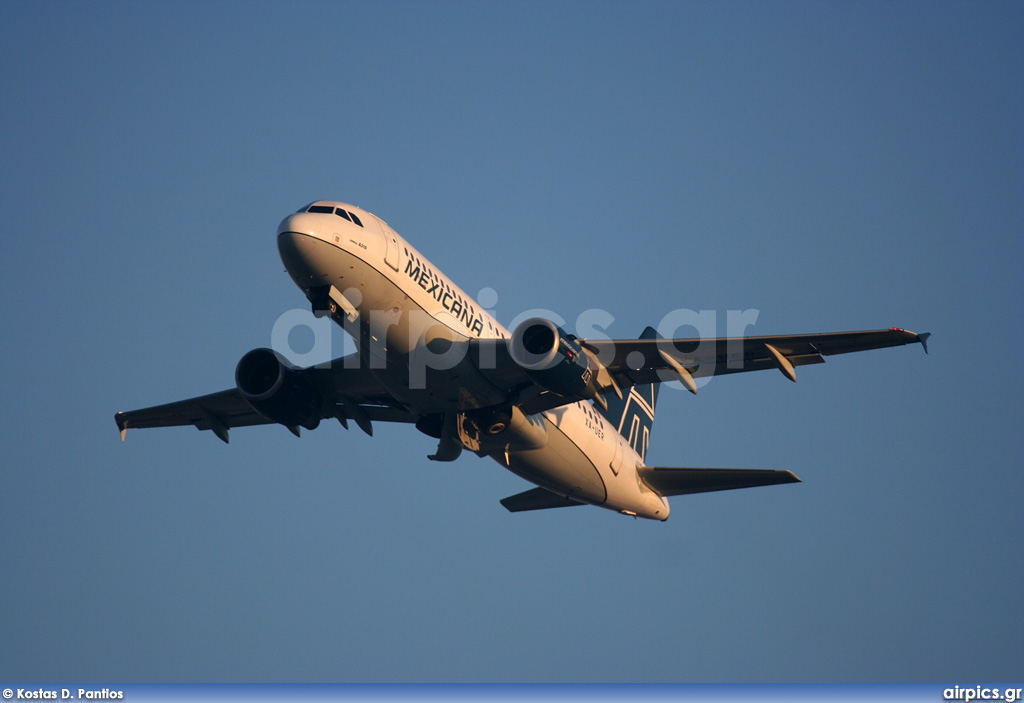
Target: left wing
{"points": [[347, 393], [221, 411], [216, 411]]}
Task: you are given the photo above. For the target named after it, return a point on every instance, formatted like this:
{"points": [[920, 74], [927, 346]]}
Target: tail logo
{"points": [[639, 413], [633, 415]]}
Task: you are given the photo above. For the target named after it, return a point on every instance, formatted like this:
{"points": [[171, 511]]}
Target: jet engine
{"points": [[552, 358], [276, 390]]}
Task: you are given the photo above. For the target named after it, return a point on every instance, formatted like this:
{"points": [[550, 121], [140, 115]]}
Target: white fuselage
{"points": [[408, 308]]}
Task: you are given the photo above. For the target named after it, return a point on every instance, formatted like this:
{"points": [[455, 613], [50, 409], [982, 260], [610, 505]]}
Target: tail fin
{"points": [[633, 416]]}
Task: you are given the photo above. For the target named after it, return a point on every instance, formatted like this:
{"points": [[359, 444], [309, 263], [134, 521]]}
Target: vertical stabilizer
{"points": [[633, 415]]}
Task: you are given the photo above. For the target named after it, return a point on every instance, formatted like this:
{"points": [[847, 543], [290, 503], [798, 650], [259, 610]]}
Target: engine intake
{"points": [[276, 390], [552, 358]]}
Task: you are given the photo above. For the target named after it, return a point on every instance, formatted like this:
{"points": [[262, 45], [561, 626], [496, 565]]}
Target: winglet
{"points": [[909, 337], [122, 425]]}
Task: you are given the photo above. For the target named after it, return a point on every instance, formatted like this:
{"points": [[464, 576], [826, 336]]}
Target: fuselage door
{"points": [[617, 457], [392, 252]]}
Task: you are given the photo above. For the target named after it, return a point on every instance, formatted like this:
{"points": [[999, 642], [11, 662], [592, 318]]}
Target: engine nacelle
{"points": [[276, 390], [552, 358]]}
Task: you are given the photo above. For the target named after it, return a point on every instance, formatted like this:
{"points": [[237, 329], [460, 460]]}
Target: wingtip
{"points": [[912, 337], [122, 425]]}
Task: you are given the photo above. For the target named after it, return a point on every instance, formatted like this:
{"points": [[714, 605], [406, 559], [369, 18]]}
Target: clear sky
{"points": [[834, 166]]}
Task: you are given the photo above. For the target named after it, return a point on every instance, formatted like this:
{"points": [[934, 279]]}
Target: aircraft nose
{"points": [[299, 254], [303, 223]]}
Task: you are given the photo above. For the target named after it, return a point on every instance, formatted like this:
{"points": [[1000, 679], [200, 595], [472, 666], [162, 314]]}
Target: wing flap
{"points": [[685, 481]]}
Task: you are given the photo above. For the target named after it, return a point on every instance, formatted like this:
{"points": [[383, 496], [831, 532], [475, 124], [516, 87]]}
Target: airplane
{"points": [[571, 415]]}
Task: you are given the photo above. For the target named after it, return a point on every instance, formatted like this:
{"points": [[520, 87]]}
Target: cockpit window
{"points": [[350, 216], [327, 210]]}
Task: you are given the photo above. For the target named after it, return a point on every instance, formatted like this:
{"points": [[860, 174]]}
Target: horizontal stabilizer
{"points": [[682, 481], [537, 499]]}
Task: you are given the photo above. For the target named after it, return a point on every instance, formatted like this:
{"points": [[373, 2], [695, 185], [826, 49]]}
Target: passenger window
{"points": [[342, 213]]}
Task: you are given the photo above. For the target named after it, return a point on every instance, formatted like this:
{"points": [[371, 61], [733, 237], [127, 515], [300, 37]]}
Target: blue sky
{"points": [[834, 166]]}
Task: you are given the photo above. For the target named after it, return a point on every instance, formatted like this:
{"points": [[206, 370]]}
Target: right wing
{"points": [[640, 361], [684, 481], [623, 363]]}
